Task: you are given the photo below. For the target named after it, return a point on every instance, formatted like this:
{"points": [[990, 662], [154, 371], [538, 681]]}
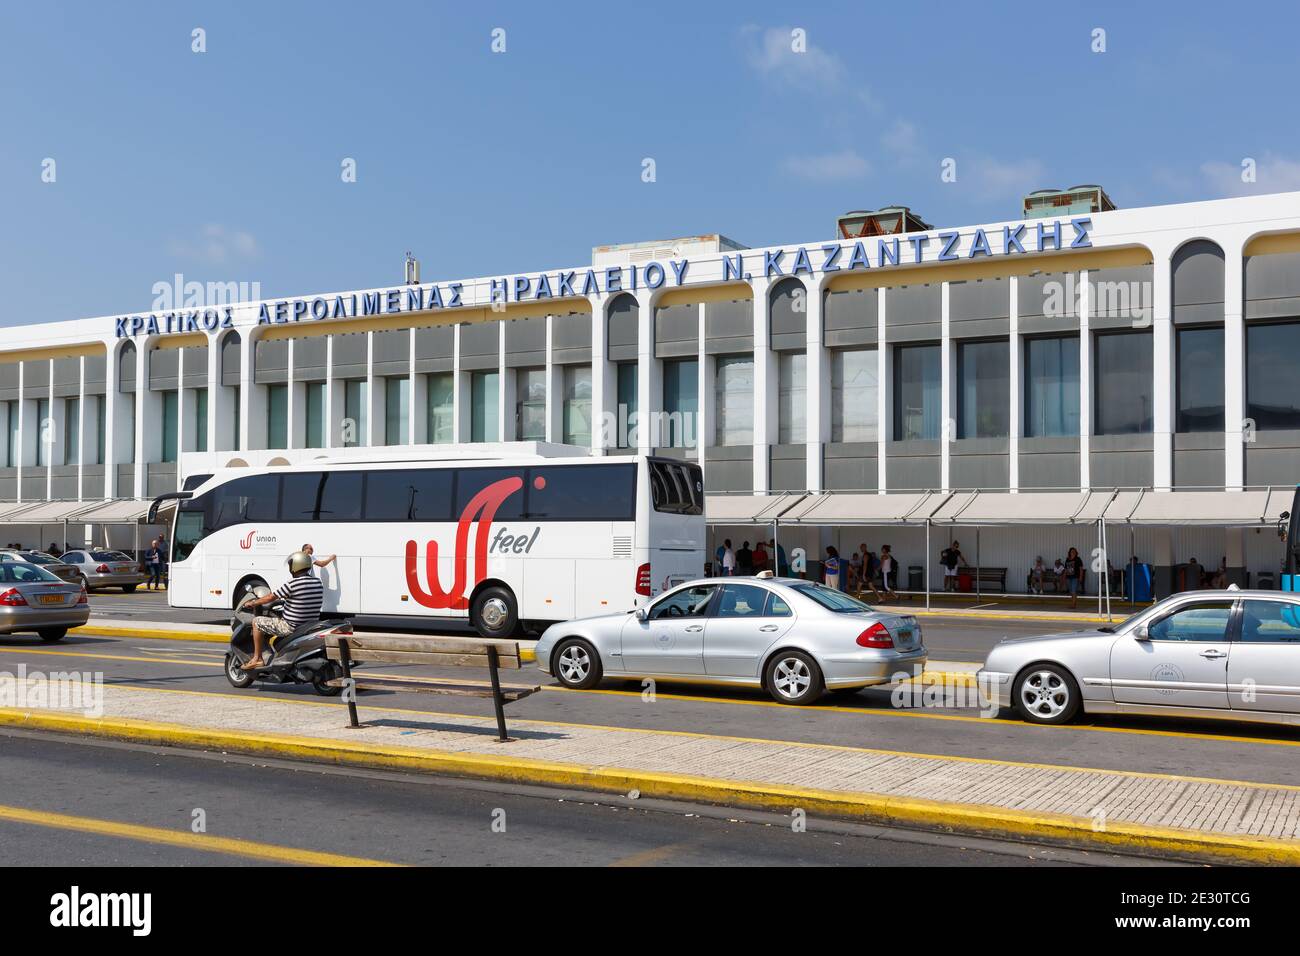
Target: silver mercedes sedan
{"points": [[1220, 654], [791, 637], [33, 599]]}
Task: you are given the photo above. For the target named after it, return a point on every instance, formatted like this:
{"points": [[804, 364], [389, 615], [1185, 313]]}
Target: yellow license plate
{"points": [[50, 598]]}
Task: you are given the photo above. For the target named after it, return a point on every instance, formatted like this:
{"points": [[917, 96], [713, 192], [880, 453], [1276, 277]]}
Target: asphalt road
{"points": [[878, 718], [72, 798], [952, 638]]}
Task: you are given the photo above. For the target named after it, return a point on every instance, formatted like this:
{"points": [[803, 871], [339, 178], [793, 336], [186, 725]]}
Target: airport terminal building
{"points": [[1075, 372]]}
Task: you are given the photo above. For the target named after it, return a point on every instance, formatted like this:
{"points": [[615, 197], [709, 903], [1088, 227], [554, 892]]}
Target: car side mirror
{"points": [[641, 614], [1141, 633]]}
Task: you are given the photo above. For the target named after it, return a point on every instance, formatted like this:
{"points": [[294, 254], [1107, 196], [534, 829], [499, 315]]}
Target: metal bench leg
{"points": [[350, 689], [496, 694]]}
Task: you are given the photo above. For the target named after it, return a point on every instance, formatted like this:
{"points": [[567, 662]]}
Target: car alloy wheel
{"points": [[577, 665], [1045, 695], [794, 678]]}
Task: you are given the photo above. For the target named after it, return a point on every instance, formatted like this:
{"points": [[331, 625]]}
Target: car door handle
{"points": [[1213, 655], [695, 627], [769, 627]]}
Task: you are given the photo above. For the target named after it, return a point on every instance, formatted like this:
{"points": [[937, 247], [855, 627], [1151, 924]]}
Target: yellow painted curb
{"points": [[867, 807]]}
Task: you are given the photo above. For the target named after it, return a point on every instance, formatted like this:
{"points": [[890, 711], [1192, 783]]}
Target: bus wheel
{"points": [[494, 613], [246, 588]]}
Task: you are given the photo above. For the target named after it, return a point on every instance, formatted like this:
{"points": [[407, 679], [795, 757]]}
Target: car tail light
{"points": [[877, 635], [83, 597], [643, 580], [13, 598], [102, 569]]}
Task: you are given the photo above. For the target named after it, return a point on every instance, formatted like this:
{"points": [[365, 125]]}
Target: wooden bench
{"points": [[433, 652], [985, 578]]}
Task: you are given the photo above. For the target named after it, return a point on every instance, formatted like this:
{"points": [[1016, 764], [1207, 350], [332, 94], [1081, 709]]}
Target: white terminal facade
{"points": [[1110, 356]]}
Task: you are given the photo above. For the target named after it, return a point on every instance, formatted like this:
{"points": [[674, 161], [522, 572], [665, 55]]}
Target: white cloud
{"points": [[1273, 174], [215, 245], [828, 167], [902, 140], [770, 52]]}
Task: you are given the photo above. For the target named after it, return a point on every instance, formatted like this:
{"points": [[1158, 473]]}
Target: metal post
{"points": [[978, 592], [776, 549], [1105, 548], [927, 564], [350, 688], [497, 702]]}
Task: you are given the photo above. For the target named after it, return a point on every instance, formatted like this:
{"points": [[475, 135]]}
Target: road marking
{"points": [[204, 842], [826, 708]]}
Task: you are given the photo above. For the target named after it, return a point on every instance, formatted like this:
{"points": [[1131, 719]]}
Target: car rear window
{"points": [[15, 573], [36, 557], [832, 599], [109, 556]]}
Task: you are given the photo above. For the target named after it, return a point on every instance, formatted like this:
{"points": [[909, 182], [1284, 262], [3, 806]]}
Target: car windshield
{"points": [[15, 573], [108, 556], [832, 599]]}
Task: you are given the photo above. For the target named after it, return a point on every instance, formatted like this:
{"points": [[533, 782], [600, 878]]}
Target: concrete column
{"points": [[604, 387], [333, 410], [112, 416], [148, 417], [81, 422], [1162, 351], [1234, 549], [219, 403], [506, 391], [1016, 379], [417, 412], [765, 383], [295, 432], [555, 399], [1085, 382], [248, 397], [703, 424], [884, 394], [818, 399], [649, 376], [1234, 369], [375, 404], [1162, 563], [947, 389], [461, 395], [56, 436]]}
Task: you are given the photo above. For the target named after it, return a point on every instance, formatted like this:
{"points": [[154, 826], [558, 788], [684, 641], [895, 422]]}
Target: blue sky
{"points": [[225, 165]]}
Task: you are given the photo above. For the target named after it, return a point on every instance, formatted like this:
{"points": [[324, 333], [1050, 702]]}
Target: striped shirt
{"points": [[303, 597]]}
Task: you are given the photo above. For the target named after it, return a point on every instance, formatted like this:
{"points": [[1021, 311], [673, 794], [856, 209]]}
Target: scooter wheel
{"points": [[235, 673], [320, 685]]}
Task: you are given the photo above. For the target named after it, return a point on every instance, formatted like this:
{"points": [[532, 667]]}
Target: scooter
{"points": [[299, 658]]}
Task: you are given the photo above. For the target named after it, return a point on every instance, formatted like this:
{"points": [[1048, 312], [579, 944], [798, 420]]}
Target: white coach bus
{"points": [[506, 542]]}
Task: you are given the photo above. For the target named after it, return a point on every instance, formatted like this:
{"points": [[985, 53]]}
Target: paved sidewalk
{"points": [[1238, 820]]}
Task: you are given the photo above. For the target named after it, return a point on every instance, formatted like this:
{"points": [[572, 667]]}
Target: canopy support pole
{"points": [[979, 595], [927, 564]]}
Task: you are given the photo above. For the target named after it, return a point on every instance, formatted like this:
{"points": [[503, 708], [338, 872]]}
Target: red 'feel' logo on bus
{"points": [[483, 508]]}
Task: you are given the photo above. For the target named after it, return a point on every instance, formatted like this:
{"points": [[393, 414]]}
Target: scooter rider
{"points": [[303, 596]]}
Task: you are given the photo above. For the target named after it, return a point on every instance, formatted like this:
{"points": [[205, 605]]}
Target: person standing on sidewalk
{"points": [[153, 562], [831, 567], [1074, 575]]}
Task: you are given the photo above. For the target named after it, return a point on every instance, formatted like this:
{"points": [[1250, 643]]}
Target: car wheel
{"points": [[52, 634], [128, 588], [1046, 694], [576, 664], [235, 673], [495, 614], [793, 677]]}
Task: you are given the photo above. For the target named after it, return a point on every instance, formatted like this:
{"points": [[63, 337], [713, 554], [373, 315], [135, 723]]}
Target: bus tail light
{"points": [[643, 580], [13, 598], [877, 635]]}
